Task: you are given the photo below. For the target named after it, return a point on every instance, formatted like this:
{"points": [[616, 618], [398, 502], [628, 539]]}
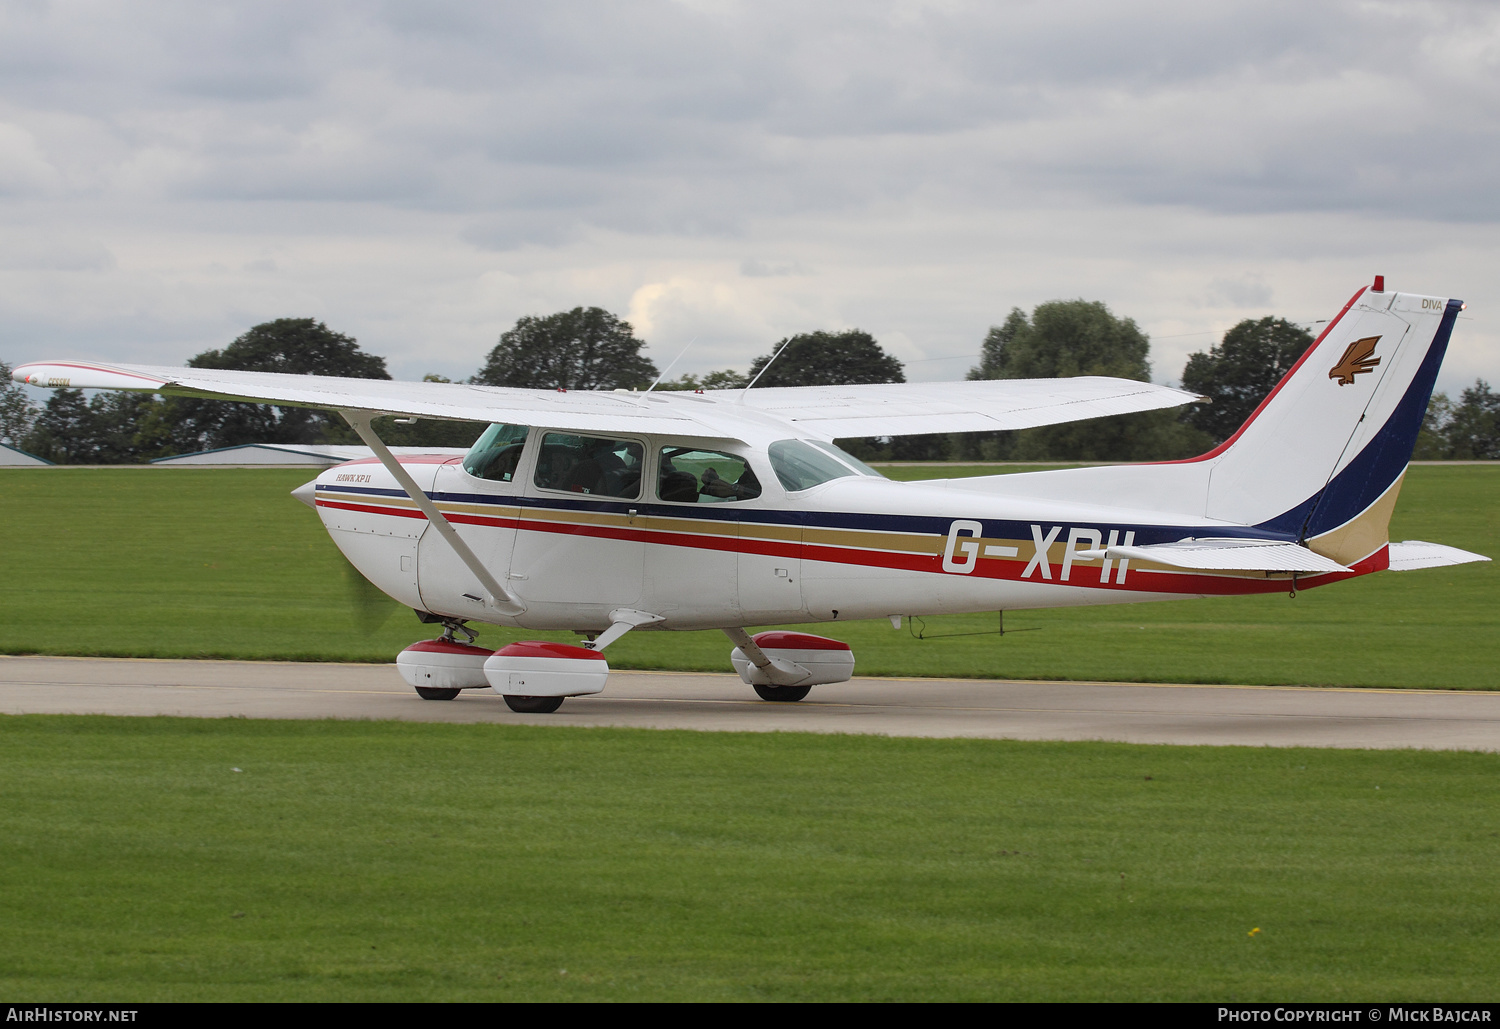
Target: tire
{"points": [[434, 693], [533, 705], [784, 694]]}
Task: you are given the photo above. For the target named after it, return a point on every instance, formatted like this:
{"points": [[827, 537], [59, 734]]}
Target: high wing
{"points": [[828, 412]]}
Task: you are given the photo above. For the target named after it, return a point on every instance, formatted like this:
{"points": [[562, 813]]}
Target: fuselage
{"points": [[632, 532]]}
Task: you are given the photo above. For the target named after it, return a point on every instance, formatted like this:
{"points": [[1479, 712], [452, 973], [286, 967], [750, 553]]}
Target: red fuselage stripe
{"points": [[1141, 580]]}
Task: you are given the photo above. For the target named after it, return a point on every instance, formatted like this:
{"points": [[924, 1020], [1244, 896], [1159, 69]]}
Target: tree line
{"points": [[590, 348]]}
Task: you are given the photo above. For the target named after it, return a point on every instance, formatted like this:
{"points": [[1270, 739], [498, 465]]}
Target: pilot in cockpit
{"points": [[747, 488]]}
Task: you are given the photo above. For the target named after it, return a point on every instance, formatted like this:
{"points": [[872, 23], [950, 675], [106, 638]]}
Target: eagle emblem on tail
{"points": [[1356, 359]]}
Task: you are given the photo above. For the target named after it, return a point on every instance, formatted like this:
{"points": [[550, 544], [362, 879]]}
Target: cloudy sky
{"points": [[419, 175]]}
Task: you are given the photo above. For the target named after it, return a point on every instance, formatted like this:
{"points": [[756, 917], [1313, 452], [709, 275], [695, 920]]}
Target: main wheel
{"points": [[533, 705], [434, 693], [782, 693]]}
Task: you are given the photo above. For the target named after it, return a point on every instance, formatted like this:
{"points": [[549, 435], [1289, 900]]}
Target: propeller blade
{"points": [[369, 608]]}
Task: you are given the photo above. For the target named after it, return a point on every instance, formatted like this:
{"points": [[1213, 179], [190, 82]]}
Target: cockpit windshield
{"points": [[846, 457], [800, 466]]}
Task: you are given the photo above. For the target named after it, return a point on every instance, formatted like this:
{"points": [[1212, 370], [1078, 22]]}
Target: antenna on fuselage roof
{"points": [[785, 346], [669, 367]]}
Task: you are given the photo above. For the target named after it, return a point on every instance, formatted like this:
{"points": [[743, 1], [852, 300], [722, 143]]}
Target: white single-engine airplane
{"points": [[603, 512]]}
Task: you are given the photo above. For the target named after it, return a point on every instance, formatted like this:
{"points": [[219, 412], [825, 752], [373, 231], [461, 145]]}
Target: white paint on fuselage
{"points": [[572, 580]]}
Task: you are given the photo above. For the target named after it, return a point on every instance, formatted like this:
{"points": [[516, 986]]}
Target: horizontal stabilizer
{"points": [[1224, 555], [1412, 554]]}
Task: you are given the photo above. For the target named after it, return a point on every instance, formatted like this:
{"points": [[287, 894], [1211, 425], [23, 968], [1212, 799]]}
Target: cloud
{"points": [[719, 320], [769, 109], [1250, 290], [24, 168], [49, 252], [756, 269], [424, 174]]}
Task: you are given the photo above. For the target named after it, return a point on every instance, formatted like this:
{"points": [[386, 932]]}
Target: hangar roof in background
{"points": [[316, 454], [15, 457]]}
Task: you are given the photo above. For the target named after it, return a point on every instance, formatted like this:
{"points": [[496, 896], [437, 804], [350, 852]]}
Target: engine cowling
{"points": [[827, 661], [536, 669]]}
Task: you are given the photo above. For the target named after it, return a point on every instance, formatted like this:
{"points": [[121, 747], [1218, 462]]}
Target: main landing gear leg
{"points": [[783, 675]]}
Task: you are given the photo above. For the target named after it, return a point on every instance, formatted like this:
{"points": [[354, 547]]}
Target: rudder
{"points": [[1322, 458]]}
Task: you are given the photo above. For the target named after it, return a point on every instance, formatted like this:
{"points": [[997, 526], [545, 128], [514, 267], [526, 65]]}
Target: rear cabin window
{"points": [[594, 465], [496, 454], [689, 476], [801, 466]]}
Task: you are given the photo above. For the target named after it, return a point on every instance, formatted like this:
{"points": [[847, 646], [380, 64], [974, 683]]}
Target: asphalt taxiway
{"points": [[998, 709]]}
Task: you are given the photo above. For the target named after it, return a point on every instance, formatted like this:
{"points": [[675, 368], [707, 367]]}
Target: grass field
{"points": [[169, 859], [155, 859], [223, 563]]}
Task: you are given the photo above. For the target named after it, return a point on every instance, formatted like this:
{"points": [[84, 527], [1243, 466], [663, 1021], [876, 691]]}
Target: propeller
{"points": [[369, 608]]}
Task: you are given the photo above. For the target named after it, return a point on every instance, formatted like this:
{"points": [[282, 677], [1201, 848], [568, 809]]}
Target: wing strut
{"points": [[499, 600]]}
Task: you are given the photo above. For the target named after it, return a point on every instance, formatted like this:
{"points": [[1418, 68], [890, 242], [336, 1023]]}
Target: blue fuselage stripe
{"points": [[926, 525]]}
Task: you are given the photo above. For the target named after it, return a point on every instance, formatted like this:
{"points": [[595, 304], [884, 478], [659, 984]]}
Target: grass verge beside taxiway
{"points": [[157, 859]]}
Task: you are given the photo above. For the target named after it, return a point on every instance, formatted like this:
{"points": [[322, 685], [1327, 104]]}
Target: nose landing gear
{"points": [[532, 705], [442, 668]]}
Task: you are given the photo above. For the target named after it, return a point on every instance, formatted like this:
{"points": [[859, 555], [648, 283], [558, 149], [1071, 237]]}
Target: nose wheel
{"points": [[533, 705], [434, 693]]}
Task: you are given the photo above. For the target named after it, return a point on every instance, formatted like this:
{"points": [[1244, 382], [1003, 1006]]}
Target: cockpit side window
{"points": [[593, 465], [497, 452], [801, 466], [687, 475]]}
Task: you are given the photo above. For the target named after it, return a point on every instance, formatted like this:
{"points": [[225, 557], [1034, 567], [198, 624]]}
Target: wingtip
{"points": [[83, 375]]}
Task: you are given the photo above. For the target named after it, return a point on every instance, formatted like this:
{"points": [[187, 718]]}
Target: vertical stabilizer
{"points": [[1321, 459]]}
